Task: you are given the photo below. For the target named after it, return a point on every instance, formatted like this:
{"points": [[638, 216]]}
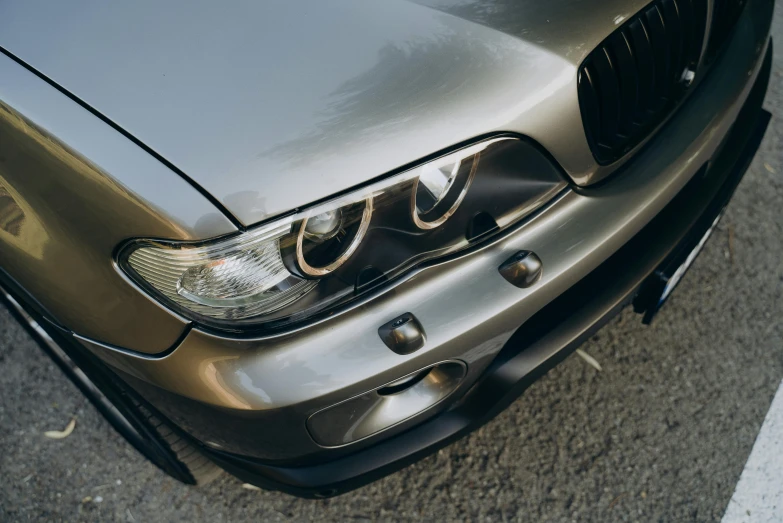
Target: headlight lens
{"points": [[287, 271]]}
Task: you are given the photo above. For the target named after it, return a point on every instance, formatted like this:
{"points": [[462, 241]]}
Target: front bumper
{"points": [[247, 400]]}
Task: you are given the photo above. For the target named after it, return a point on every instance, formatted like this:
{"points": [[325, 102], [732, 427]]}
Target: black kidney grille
{"points": [[724, 16], [637, 76]]}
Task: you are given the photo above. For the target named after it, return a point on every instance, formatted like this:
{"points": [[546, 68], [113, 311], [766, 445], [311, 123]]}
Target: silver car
{"points": [[312, 242]]}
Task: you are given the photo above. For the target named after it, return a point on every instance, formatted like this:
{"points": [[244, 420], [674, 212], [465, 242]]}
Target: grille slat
{"points": [[590, 99], [658, 44], [633, 81], [645, 69], [724, 16], [689, 39], [620, 52], [609, 93], [671, 21], [699, 13]]}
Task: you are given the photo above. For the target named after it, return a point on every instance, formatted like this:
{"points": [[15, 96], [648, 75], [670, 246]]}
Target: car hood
{"points": [[272, 105]]}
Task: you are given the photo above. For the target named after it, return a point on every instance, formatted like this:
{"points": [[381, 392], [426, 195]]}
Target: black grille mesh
{"points": [[635, 78]]}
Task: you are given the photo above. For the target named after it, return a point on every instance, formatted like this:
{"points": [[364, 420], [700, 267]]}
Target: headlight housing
{"points": [[296, 267]]}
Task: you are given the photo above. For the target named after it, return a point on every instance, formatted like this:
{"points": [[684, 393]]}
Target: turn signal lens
{"points": [[238, 278]]}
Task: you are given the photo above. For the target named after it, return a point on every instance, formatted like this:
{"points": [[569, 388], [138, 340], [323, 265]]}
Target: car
{"points": [[310, 243]]}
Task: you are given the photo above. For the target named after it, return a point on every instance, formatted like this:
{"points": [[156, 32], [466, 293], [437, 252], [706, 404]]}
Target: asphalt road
{"points": [[661, 434]]}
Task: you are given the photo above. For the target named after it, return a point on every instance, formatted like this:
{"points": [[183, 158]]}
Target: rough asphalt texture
{"points": [[662, 434]]}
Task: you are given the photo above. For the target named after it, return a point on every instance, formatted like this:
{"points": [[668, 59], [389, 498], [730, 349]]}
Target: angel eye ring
{"points": [[440, 189], [326, 241]]}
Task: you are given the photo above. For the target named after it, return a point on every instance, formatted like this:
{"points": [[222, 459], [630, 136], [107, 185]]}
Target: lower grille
{"points": [[637, 76]]}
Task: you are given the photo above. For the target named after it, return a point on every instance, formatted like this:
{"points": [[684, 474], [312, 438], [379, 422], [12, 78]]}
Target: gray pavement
{"points": [[661, 434]]}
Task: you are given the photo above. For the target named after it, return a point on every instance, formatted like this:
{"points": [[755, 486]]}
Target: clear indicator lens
{"points": [[235, 280], [240, 278]]}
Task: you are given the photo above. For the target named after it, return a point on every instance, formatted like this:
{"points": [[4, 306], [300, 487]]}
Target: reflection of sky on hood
{"points": [[567, 27], [406, 84]]}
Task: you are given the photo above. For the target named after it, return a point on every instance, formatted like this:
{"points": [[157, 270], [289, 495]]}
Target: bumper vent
{"points": [[632, 82]]}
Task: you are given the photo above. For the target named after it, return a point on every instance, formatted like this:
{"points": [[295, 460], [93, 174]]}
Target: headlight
{"points": [[290, 269], [327, 240]]}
